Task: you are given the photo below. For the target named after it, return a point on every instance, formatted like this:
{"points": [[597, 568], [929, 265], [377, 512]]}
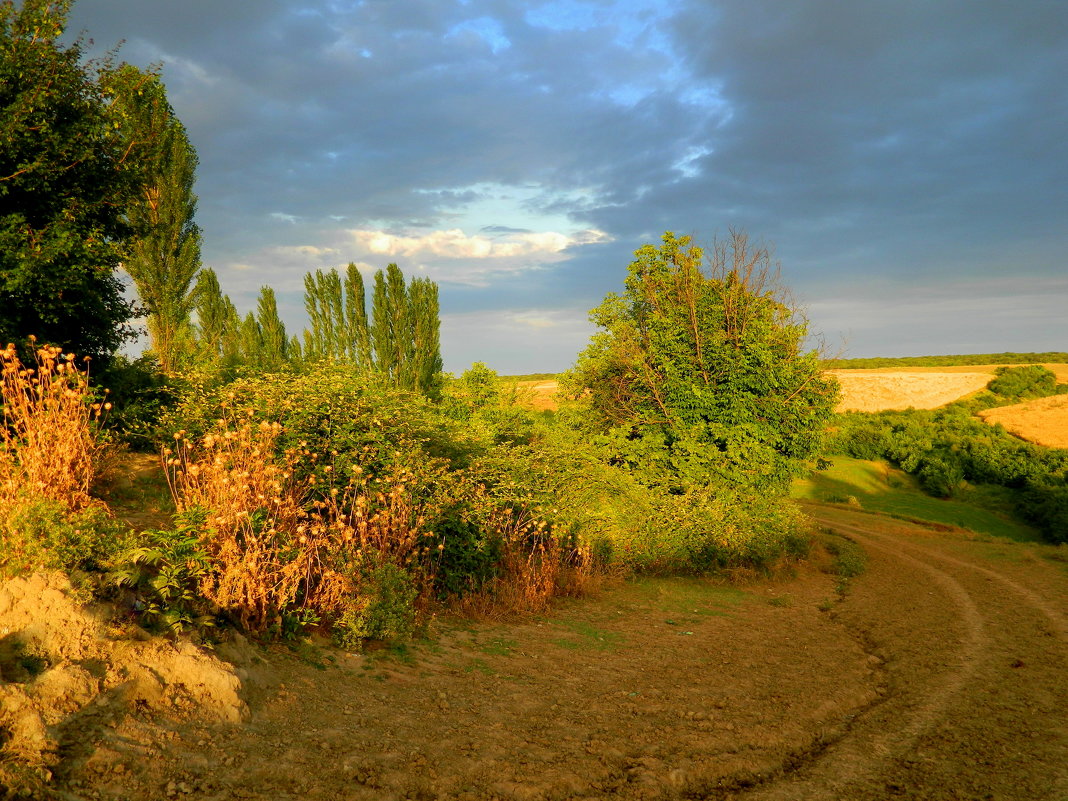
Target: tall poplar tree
{"points": [[217, 323], [358, 337], [426, 341], [163, 255], [272, 332], [384, 355]]}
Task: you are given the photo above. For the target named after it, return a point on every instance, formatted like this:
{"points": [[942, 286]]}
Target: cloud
{"points": [[888, 143], [454, 256]]}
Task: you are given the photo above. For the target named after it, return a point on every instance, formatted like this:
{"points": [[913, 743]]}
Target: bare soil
{"points": [[939, 673]]}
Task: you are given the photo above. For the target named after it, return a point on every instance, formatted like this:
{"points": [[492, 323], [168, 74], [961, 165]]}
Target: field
{"points": [[542, 393], [903, 662], [878, 487], [1043, 421]]}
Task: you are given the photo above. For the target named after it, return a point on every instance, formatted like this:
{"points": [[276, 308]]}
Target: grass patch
{"points": [[498, 646], [878, 487], [586, 636], [682, 597], [480, 666], [850, 560]]}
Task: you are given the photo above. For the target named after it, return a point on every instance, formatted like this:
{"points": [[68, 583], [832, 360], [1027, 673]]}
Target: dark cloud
{"points": [[897, 143]]}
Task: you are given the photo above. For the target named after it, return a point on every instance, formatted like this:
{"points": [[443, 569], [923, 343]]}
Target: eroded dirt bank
{"points": [[940, 674]]}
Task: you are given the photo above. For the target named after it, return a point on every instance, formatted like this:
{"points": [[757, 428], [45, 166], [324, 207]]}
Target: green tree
{"points": [[700, 374], [426, 342], [325, 306], [358, 338], [274, 345], [163, 255], [64, 184], [404, 332], [217, 324]]}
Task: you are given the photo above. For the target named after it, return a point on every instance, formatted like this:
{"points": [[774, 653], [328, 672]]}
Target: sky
{"points": [[906, 159]]}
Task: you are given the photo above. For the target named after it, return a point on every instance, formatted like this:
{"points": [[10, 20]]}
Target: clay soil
{"points": [[936, 674]]}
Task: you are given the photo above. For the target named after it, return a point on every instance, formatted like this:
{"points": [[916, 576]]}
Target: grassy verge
{"points": [[878, 487]]}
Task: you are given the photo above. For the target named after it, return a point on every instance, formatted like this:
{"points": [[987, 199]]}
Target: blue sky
{"points": [[907, 159]]}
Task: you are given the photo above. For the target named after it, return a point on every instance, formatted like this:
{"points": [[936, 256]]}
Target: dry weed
{"points": [[253, 510], [48, 446]]}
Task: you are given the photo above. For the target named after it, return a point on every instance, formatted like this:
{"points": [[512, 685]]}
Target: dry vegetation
{"points": [[1043, 421], [879, 389]]}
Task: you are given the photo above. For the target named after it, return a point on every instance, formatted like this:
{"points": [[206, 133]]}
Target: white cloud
{"points": [[455, 256]]}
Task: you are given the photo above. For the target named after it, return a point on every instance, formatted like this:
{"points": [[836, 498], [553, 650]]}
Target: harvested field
{"points": [[1043, 421], [879, 389], [542, 394]]}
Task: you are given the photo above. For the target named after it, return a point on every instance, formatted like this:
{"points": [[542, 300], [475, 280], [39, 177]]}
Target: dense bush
{"points": [[1025, 383], [945, 447]]}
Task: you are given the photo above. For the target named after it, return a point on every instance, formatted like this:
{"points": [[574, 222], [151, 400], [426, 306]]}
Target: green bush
{"points": [[384, 609], [140, 395], [946, 447], [1024, 383], [38, 533], [165, 575]]}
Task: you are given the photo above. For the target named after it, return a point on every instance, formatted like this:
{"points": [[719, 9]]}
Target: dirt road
{"points": [[940, 673]]}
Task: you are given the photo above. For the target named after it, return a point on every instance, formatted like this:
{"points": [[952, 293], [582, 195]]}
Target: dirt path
{"points": [[939, 674]]}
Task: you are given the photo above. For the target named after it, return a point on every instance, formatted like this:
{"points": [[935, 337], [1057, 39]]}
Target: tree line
{"points": [[97, 174]]}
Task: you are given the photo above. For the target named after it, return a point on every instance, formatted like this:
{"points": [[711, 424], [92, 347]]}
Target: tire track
{"points": [[890, 728], [925, 720]]}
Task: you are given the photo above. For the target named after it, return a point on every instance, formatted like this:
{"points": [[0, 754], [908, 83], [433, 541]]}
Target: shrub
{"points": [[166, 576], [49, 443], [140, 394], [1023, 383], [39, 532], [383, 608]]}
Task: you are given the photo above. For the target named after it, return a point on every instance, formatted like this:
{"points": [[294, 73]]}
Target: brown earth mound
{"points": [[1043, 421], [66, 675]]}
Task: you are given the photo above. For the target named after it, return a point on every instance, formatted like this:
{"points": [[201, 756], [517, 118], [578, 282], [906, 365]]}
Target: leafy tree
{"points": [[358, 338], [425, 351], [217, 326], [274, 345], [163, 255], [701, 374], [325, 306], [64, 184], [404, 332]]}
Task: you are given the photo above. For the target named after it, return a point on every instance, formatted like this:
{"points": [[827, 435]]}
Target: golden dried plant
{"points": [[48, 441]]}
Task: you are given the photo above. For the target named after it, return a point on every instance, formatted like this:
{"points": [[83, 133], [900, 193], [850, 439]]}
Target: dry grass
{"points": [[48, 446], [1043, 421], [542, 395], [879, 390], [887, 388], [278, 545], [253, 507]]}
